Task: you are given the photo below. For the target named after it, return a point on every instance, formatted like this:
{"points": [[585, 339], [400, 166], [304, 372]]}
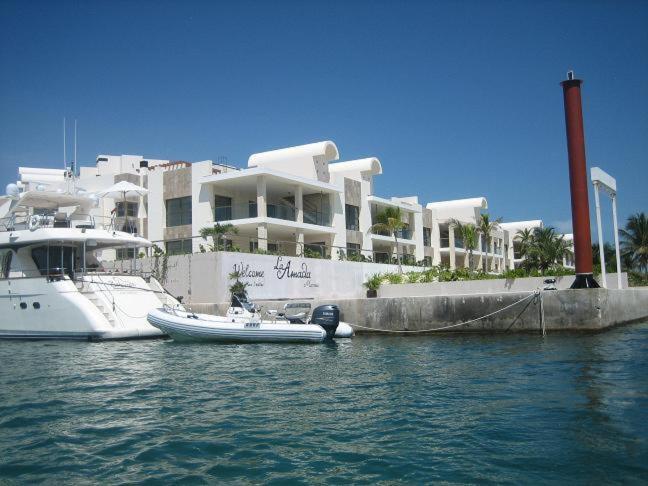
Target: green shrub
{"points": [[394, 278]]}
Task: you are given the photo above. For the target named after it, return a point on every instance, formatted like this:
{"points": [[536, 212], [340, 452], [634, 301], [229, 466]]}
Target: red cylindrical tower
{"points": [[578, 183]]}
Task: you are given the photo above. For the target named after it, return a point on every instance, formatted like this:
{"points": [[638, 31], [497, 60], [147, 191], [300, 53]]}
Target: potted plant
{"points": [[372, 284], [238, 288]]}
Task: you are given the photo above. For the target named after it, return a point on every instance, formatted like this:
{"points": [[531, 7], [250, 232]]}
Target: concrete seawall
{"points": [[564, 310]]}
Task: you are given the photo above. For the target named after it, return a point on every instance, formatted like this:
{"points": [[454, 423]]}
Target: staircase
{"points": [[91, 295]]}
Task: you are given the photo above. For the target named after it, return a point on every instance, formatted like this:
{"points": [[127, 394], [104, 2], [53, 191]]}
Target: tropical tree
{"points": [[390, 221], [469, 235], [634, 241], [547, 248], [485, 226], [216, 232], [524, 238], [609, 253]]}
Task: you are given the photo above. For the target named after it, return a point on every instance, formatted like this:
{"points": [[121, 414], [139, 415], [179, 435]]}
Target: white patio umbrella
{"points": [[122, 190]]}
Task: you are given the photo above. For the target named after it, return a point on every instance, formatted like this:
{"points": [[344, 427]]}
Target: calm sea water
{"points": [[374, 409]]}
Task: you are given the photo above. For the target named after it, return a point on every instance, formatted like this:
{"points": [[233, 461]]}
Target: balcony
{"points": [[277, 211], [404, 234], [458, 242]]}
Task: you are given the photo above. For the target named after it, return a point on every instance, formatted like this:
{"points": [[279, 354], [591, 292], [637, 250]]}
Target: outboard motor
{"points": [[328, 317]]}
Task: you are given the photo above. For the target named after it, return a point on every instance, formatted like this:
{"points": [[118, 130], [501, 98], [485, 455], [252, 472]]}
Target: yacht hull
{"points": [[93, 308]]}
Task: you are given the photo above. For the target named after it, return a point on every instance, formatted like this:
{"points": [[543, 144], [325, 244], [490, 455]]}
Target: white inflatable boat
{"points": [[242, 310], [243, 324]]}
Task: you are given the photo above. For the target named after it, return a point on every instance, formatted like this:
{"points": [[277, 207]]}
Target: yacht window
{"points": [[5, 262], [53, 260], [178, 211]]}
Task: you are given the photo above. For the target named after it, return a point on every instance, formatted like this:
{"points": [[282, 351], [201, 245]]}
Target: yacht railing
{"points": [[17, 222]]}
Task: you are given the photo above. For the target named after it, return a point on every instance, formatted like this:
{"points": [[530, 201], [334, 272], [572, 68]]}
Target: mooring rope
{"points": [[534, 294]]}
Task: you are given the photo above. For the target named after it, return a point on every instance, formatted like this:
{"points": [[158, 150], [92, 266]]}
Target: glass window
{"points": [[125, 208], [52, 260], [353, 249], [222, 208], [178, 247], [381, 257], [125, 253], [5, 262], [352, 217], [178, 211], [427, 236]]}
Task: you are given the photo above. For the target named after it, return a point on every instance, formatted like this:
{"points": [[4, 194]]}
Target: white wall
{"points": [[201, 201]]}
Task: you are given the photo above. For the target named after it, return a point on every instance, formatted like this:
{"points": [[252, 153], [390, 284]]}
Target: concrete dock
{"points": [[586, 310]]}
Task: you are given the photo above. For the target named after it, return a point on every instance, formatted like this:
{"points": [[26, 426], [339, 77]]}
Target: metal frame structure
{"points": [[601, 179]]}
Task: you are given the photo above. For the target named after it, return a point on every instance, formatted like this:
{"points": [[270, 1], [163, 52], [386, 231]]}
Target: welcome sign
{"points": [[285, 269]]}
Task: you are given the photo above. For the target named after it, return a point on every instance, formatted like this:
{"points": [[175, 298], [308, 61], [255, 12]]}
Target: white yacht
{"points": [[53, 284]]}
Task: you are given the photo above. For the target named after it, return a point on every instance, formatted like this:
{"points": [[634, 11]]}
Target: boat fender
{"points": [[327, 317]]}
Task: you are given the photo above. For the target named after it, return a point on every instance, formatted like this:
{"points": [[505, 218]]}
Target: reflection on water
{"points": [[441, 408]]}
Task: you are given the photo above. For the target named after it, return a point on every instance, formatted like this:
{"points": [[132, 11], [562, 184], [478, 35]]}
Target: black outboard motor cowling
{"points": [[328, 317]]}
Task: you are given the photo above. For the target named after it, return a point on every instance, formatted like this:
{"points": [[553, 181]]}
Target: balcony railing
{"points": [[404, 234], [278, 211]]}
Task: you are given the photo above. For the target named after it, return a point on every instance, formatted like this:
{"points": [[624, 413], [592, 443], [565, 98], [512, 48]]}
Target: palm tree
{"points": [[609, 253], [390, 221], [469, 236], [524, 238], [485, 226], [216, 232], [634, 241], [547, 248]]}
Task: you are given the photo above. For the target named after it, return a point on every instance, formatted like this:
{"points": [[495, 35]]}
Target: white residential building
{"points": [[293, 201]]}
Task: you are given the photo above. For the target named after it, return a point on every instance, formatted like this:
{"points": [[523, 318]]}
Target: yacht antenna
{"points": [[74, 167], [64, 161]]}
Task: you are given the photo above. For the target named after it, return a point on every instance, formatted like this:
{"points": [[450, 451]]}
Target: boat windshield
{"points": [[240, 301]]}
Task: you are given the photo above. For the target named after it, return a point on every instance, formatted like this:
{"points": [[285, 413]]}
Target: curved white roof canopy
{"points": [[473, 202], [327, 150], [371, 165], [521, 225], [309, 161]]}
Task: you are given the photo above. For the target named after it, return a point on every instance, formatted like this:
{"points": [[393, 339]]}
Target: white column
{"points": [[299, 204], [616, 240], [436, 242], [600, 233], [262, 212], [451, 245]]}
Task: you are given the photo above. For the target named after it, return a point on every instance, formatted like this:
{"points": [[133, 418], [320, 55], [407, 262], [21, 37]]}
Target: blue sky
{"points": [[457, 99]]}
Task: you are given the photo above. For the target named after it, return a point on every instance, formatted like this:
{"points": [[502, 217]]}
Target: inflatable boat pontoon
{"points": [[187, 326]]}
